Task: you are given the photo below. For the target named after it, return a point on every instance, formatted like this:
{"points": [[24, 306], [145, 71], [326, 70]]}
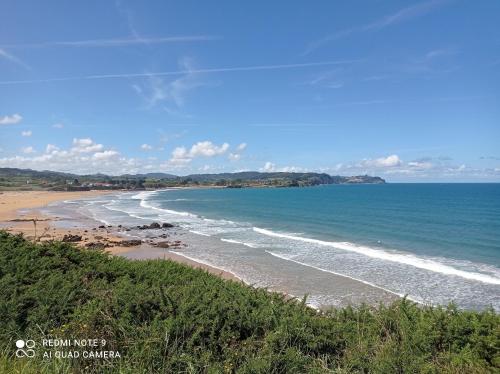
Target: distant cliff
{"points": [[291, 179]]}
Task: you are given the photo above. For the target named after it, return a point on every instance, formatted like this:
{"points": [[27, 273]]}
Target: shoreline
{"points": [[19, 210]]}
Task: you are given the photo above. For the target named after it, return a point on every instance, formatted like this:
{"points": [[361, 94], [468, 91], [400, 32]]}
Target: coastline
{"points": [[19, 209]]}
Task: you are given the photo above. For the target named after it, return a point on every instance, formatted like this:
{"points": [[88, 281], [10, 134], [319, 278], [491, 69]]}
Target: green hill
{"points": [[26, 179]]}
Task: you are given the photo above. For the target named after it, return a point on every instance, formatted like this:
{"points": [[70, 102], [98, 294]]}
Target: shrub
{"points": [[166, 317]]}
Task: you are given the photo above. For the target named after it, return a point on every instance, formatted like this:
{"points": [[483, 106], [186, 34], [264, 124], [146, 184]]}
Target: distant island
{"points": [[27, 179]]}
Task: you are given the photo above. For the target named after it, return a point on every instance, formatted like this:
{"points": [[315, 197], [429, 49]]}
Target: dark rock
{"points": [[119, 225], [69, 238], [102, 227], [96, 245], [130, 243], [166, 225], [155, 225], [165, 244]]}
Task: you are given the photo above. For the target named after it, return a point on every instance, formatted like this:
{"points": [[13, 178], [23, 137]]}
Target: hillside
{"points": [[26, 179], [165, 317]]}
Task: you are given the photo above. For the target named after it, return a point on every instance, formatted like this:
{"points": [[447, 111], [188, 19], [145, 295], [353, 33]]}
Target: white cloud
{"points": [[58, 125], [146, 147], [28, 150], [236, 155], [420, 165], [26, 133], [241, 147], [269, 167], [207, 149], [83, 142], [180, 157], [105, 155], [84, 156], [383, 162], [183, 156], [85, 145], [172, 95], [11, 120], [439, 168], [51, 148]]}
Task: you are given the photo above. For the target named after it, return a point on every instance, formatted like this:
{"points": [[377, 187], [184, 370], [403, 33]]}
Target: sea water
{"points": [[435, 243]]}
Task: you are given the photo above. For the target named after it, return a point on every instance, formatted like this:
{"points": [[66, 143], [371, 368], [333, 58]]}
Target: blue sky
{"points": [[405, 90]]}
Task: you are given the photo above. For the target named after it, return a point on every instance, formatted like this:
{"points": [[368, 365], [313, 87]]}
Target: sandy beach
{"points": [[20, 213]]}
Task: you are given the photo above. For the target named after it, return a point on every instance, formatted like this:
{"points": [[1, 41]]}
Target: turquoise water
{"points": [[433, 242], [459, 221]]}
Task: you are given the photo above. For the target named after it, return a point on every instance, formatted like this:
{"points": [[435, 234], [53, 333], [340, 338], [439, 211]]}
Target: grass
{"points": [[166, 317]]}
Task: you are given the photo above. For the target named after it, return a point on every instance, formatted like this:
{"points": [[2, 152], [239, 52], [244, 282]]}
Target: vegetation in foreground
{"points": [[166, 317]]}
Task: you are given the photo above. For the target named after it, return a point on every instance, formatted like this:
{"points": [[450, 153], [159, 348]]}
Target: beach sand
{"points": [[19, 210]]}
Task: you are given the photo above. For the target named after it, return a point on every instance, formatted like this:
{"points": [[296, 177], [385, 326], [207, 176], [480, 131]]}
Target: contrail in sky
{"points": [[178, 72]]}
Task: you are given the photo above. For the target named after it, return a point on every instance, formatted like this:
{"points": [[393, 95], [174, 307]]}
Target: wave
{"points": [[121, 210], [238, 242], [406, 259], [144, 195], [205, 263], [340, 274], [144, 204], [218, 221], [199, 233]]}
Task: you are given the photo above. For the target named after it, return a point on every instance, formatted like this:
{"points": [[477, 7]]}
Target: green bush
{"points": [[166, 317]]}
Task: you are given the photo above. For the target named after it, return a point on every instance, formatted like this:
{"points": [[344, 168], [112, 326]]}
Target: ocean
{"points": [[434, 243]]}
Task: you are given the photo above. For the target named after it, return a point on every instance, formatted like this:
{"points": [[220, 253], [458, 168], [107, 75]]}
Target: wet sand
{"points": [[20, 212]]}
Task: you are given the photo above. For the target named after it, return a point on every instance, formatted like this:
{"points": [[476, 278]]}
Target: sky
{"points": [[406, 90]]}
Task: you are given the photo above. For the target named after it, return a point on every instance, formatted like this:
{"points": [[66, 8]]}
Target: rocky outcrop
{"points": [[96, 245], [129, 243], [156, 226], [70, 238], [168, 244]]}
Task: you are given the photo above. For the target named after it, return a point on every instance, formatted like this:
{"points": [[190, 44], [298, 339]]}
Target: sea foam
{"points": [[407, 259]]}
